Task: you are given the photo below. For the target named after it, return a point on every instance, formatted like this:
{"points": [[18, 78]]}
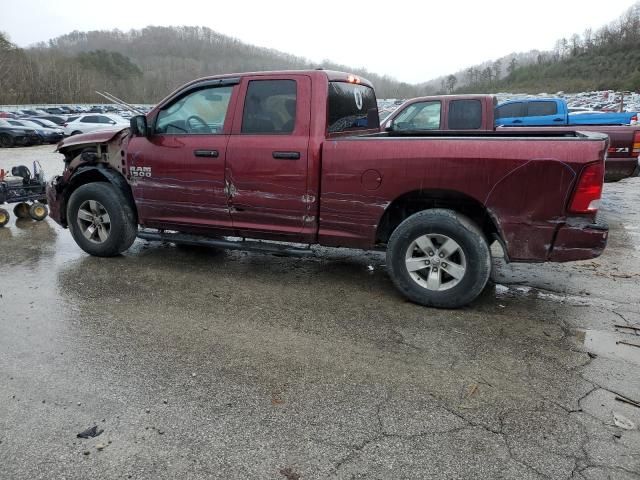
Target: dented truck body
{"points": [[338, 181]]}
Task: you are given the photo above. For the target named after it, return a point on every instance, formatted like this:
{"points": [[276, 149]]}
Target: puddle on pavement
{"points": [[515, 291], [611, 345]]}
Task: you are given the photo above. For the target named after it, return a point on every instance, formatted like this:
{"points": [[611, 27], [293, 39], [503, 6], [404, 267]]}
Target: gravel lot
{"points": [[213, 364]]}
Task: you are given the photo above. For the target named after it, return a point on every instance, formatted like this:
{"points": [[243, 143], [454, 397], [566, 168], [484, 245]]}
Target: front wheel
{"points": [[101, 220], [6, 141], [21, 210], [439, 258], [38, 211]]}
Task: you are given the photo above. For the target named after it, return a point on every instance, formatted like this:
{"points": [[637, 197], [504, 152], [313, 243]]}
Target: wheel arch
{"points": [[96, 173], [418, 200]]}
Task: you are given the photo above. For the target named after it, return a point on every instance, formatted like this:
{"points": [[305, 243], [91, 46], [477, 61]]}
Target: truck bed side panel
{"points": [[525, 184]]}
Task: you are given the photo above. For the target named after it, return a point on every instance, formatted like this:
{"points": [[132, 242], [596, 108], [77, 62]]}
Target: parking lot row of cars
{"points": [[33, 126]]}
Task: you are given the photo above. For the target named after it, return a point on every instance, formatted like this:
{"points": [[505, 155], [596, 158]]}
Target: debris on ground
{"points": [[289, 473], [626, 400], [623, 422], [90, 432]]}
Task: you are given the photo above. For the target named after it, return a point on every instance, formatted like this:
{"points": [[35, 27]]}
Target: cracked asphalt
{"points": [[212, 364]]}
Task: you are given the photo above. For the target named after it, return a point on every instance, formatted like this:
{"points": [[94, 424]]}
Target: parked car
{"points": [[55, 111], [57, 119], [476, 112], [11, 136], [47, 134], [29, 112], [92, 122], [530, 112], [297, 157]]}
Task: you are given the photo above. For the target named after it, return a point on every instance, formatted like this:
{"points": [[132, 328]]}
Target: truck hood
{"points": [[100, 136]]}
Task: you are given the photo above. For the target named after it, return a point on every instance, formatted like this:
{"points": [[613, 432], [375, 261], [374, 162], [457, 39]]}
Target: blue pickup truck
{"points": [[530, 112]]}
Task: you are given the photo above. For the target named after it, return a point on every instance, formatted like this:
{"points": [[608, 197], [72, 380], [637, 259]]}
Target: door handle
{"points": [[286, 155], [557, 119], [206, 153]]}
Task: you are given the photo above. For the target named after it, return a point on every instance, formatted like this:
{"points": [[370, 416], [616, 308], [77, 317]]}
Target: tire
{"points": [[448, 281], [4, 217], [38, 211], [6, 141], [75, 132], [113, 234], [21, 210]]}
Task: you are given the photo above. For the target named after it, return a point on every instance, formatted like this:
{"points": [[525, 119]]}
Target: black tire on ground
{"points": [[4, 217], [76, 132], [101, 241], [6, 141], [470, 249], [21, 210], [38, 211]]}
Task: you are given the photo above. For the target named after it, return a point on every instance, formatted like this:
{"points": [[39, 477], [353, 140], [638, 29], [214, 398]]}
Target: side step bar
{"points": [[198, 240]]}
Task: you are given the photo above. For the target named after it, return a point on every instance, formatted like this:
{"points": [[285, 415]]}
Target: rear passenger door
{"points": [[266, 170], [544, 112]]}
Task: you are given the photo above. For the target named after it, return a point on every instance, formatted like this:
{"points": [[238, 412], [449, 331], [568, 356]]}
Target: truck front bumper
{"points": [[55, 200], [578, 240]]}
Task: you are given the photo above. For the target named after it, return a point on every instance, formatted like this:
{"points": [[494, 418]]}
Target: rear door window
{"points": [[542, 109], [465, 115], [351, 107], [89, 119], [270, 107]]}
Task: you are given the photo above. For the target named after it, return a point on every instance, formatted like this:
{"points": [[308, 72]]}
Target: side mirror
{"points": [[138, 125]]}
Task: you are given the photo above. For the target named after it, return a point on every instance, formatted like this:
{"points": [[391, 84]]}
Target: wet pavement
{"points": [[212, 364]]}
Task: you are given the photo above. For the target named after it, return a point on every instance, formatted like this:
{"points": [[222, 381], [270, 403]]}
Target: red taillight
{"points": [[587, 194], [636, 142]]}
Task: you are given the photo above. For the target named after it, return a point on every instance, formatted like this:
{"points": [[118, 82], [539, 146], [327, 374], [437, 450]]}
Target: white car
{"points": [[92, 122]]}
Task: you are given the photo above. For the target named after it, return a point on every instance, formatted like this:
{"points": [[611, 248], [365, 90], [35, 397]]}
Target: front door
{"points": [[178, 172], [267, 158]]}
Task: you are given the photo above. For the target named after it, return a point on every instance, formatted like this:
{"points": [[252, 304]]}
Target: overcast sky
{"points": [[413, 41]]}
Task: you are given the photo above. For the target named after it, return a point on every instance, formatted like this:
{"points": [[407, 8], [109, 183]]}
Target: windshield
{"points": [[351, 107]]}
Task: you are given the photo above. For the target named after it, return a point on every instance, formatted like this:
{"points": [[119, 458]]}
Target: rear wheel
{"points": [[101, 220], [4, 217], [21, 210], [76, 132], [38, 211], [6, 141], [439, 258]]}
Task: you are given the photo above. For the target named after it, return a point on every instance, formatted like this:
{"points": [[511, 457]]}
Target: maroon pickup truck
{"points": [[477, 112], [278, 161]]}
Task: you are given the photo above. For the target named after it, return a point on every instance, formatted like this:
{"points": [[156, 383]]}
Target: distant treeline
{"points": [[143, 66], [606, 59]]}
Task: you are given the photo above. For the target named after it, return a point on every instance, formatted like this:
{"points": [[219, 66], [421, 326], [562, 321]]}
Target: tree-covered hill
{"points": [[143, 65]]}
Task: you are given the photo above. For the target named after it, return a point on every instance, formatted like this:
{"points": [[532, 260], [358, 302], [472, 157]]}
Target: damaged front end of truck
{"points": [[98, 156]]}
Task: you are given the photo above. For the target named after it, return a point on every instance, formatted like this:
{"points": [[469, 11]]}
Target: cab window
{"points": [[201, 112], [542, 109], [419, 116], [465, 115], [270, 107]]}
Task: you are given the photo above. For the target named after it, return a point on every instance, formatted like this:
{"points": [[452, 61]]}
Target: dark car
{"points": [[55, 111], [57, 119], [47, 134], [11, 135], [29, 112]]}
